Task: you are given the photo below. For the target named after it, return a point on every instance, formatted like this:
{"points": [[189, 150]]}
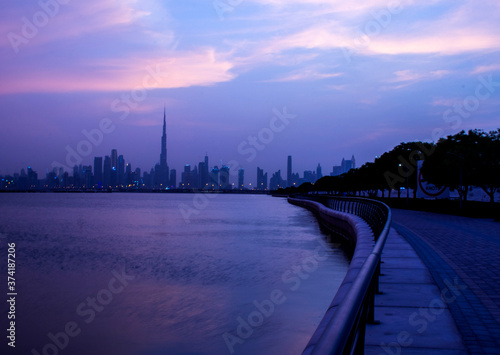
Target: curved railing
{"points": [[344, 331]]}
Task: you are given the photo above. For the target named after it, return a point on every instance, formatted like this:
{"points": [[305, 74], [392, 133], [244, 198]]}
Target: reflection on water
{"points": [[127, 274]]}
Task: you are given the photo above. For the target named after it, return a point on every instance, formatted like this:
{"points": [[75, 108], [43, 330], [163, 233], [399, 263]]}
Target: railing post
{"points": [[371, 303]]}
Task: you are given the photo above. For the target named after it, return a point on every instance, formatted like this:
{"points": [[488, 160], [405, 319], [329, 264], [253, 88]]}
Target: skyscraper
{"points": [[203, 174], [344, 167], [107, 172], [224, 178], [121, 171], [241, 179], [187, 177], [261, 179], [214, 178], [163, 155], [276, 181], [319, 174], [173, 178], [289, 171], [98, 172], [114, 167]]}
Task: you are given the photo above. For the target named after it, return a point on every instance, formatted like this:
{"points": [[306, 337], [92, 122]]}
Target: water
{"points": [[165, 273]]}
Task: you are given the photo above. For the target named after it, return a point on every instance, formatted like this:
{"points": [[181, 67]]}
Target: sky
{"points": [[245, 81]]}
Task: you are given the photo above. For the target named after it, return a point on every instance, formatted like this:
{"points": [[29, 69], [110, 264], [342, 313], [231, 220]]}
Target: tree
{"points": [[487, 176], [464, 160], [399, 166]]}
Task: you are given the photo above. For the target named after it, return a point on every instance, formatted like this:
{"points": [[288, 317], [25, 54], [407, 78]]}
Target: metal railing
{"points": [[345, 331]]}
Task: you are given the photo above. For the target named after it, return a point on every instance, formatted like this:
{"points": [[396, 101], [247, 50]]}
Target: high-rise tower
{"points": [[163, 155], [289, 172]]}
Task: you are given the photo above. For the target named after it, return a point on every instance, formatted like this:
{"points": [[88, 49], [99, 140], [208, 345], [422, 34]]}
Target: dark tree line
{"points": [[458, 161]]}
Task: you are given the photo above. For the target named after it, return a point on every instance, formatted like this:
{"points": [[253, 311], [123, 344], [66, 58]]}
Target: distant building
{"points": [[309, 176], [276, 181], [121, 171], [32, 179], [296, 181], [348, 164], [128, 175], [87, 177], [241, 179], [214, 178], [224, 178], [203, 174], [344, 167], [114, 168], [186, 178], [289, 181], [319, 174], [163, 168], [173, 178], [98, 172], [107, 172], [261, 179]]}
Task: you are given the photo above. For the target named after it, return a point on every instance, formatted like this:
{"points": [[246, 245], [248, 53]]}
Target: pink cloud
{"points": [[61, 21], [306, 74], [203, 67], [440, 101], [453, 42], [404, 78], [486, 69]]}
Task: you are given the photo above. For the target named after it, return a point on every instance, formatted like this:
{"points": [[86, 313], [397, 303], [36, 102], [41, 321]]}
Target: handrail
{"points": [[345, 331]]}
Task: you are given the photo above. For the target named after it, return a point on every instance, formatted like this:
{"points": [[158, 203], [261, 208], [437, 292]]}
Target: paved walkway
{"points": [[466, 250], [462, 256], [413, 317]]}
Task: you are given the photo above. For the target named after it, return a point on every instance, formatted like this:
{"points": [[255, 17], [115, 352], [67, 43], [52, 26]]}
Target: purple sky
{"points": [[359, 78]]}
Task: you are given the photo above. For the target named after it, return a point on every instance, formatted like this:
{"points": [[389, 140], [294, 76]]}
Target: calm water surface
{"points": [[132, 274]]}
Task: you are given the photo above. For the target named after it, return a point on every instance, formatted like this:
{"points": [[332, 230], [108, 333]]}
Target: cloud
{"points": [[486, 69], [414, 76], [453, 42], [103, 45], [183, 69], [337, 87], [310, 73], [440, 101], [463, 28], [110, 42], [334, 5], [404, 78], [56, 22]]}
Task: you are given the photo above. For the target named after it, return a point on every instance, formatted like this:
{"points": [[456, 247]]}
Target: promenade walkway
{"points": [[440, 287]]}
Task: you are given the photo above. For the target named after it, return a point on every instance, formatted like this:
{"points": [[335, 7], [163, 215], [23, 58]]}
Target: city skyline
{"points": [[112, 171], [311, 79], [94, 135]]}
